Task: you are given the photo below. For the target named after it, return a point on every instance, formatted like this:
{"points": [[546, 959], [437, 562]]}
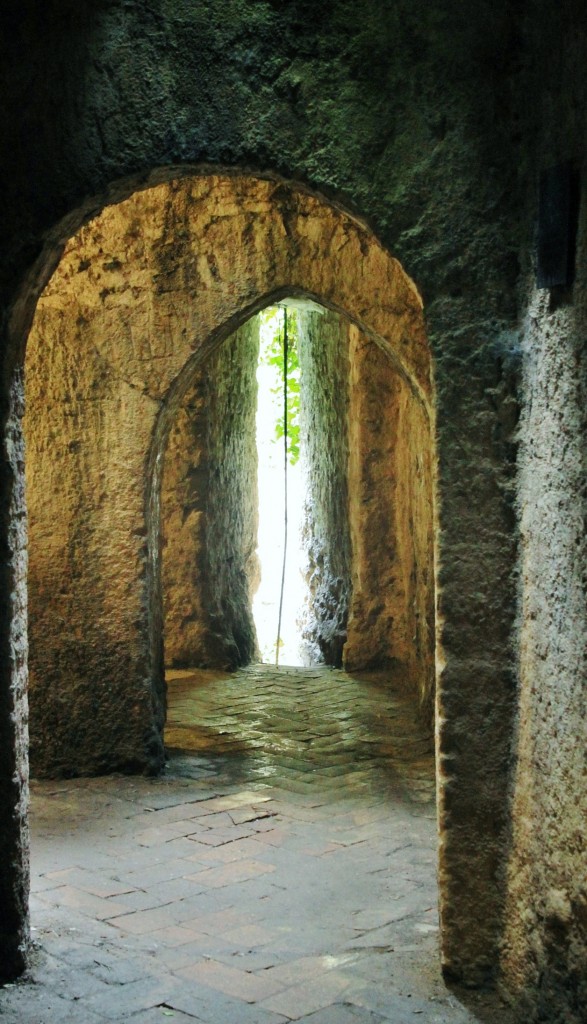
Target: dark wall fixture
{"points": [[558, 215]]}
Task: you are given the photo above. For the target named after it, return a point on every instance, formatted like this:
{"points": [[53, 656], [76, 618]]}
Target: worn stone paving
{"points": [[282, 869]]}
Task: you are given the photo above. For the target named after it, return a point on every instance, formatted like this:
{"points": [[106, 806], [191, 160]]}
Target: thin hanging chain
{"points": [[285, 356]]}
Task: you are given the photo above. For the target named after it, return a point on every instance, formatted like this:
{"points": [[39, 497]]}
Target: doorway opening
{"points": [[361, 533], [281, 592], [127, 331], [128, 360]]}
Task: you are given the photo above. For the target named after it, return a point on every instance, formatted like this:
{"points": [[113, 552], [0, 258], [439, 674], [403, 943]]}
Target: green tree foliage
{"points": [[273, 356]]}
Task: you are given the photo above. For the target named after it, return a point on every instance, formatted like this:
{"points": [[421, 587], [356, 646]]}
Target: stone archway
{"points": [[367, 520], [131, 294], [142, 293]]}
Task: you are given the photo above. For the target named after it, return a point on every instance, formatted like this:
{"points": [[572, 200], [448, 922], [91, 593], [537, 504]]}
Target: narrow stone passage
{"points": [[283, 867]]}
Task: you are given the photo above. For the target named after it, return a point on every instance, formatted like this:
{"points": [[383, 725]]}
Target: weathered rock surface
{"points": [[209, 511], [14, 777], [544, 947], [391, 488], [324, 365]]}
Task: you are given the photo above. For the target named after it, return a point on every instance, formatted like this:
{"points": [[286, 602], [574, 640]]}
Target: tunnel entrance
{"points": [[232, 559], [144, 348], [143, 340], [356, 594]]}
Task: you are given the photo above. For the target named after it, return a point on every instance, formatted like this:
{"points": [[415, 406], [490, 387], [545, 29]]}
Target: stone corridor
{"points": [[282, 868]]}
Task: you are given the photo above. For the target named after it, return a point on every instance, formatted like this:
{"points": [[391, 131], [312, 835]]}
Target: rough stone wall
{"points": [[209, 511], [324, 380], [475, 662], [86, 431], [184, 486], [544, 953], [14, 765], [546, 931], [391, 486]]}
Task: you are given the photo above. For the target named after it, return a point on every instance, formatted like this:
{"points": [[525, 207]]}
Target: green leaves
{"points": [[273, 356]]}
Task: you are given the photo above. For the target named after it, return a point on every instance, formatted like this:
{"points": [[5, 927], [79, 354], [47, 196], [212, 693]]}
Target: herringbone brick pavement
{"points": [[282, 868], [298, 726]]}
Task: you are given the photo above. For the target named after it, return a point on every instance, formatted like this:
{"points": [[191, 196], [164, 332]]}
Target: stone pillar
{"points": [[14, 853], [391, 624], [476, 687], [209, 511], [88, 433], [323, 353], [545, 949]]}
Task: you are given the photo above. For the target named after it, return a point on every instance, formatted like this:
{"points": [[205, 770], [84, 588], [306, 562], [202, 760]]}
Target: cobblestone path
{"points": [[282, 868]]}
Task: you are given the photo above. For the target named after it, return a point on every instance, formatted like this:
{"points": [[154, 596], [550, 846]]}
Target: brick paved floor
{"points": [[282, 868]]}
